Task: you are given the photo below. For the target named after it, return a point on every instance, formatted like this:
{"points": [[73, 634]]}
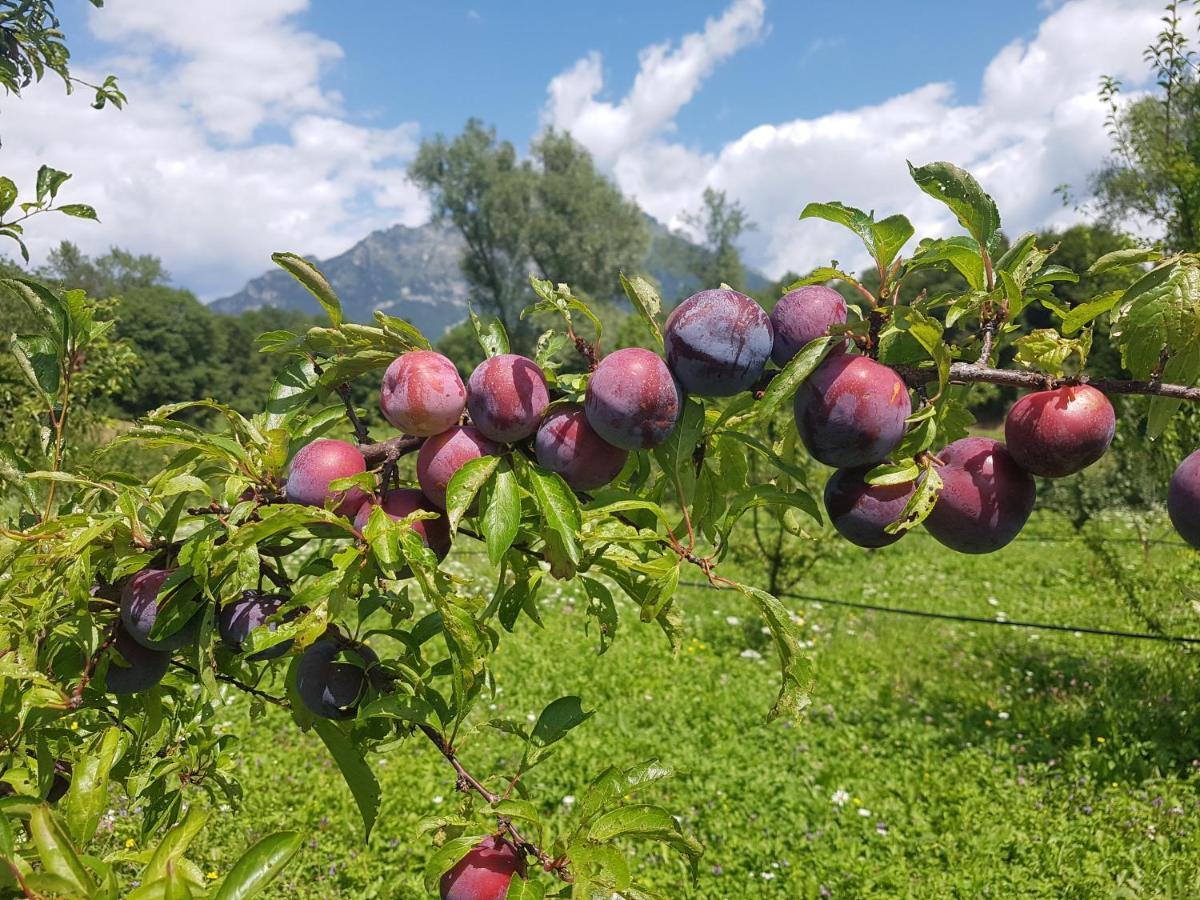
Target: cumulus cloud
{"points": [[1036, 125], [230, 148]]}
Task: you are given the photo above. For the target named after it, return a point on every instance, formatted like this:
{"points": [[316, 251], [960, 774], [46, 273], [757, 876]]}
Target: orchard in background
{"points": [[273, 558]]}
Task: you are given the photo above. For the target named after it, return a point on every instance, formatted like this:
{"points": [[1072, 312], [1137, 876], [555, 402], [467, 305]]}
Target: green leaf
{"points": [[491, 335], [1182, 368], [1047, 351], [402, 330], [883, 239], [79, 211], [613, 784], [1159, 310], [174, 844], [312, 278], [259, 866], [960, 253], [501, 517], [87, 798], [465, 484], [822, 274], [446, 858], [783, 386], [920, 504], [49, 180], [361, 780], [900, 473], [563, 520], [649, 823], [57, 853], [961, 193], [795, 665], [291, 391], [8, 194], [557, 719], [524, 889], [1131, 256], [1089, 311], [645, 300], [37, 357]]}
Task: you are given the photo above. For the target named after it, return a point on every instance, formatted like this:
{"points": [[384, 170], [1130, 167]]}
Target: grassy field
{"points": [[939, 759]]}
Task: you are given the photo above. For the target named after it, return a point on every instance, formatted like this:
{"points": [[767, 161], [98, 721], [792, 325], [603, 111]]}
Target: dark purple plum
{"points": [[568, 445], [860, 511], [851, 411], [316, 465], [485, 872], [401, 502], [239, 617], [718, 342], [140, 609], [986, 497], [1183, 499], [444, 454], [330, 688], [143, 670], [803, 315], [422, 393], [632, 400], [1060, 432], [506, 397]]}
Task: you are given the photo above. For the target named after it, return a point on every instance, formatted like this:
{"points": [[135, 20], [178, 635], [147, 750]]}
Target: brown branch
{"points": [[240, 685], [381, 452], [989, 335], [360, 427], [88, 667], [968, 373], [468, 782]]}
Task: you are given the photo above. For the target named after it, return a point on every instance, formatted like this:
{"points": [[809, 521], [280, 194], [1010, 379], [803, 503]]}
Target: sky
{"points": [[288, 124]]}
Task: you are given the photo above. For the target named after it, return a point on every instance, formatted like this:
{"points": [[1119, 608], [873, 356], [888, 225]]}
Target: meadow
{"points": [[938, 759]]}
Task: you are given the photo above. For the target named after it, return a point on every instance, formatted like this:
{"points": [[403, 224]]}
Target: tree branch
{"points": [[240, 685], [360, 427], [968, 373], [391, 449], [468, 782]]}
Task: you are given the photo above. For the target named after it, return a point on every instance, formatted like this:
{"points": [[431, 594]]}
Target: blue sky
{"points": [[288, 124]]}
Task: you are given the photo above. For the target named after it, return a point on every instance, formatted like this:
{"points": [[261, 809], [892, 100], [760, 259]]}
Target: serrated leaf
{"points": [[79, 211], [646, 301], [920, 504], [464, 486], [49, 180], [446, 858], [491, 335], [37, 358], [883, 239], [358, 775], [963, 196], [796, 668], [558, 718], [314, 281], [1160, 311], [1130, 256], [8, 194], [959, 253], [647, 823], [563, 519], [1089, 311]]}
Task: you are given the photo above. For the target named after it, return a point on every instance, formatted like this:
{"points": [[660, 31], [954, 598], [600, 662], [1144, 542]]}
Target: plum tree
{"points": [[860, 511], [851, 411], [327, 687], [421, 393], [633, 400], [401, 502], [317, 464], [506, 396], [143, 668], [252, 610], [444, 454], [718, 342], [803, 315], [568, 445], [140, 609], [986, 497], [1183, 499], [485, 872], [1061, 431]]}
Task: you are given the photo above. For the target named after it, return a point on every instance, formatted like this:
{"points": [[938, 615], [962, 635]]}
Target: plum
{"points": [[401, 502], [632, 400], [238, 618], [506, 396], [860, 511], [1183, 499], [444, 454], [986, 497], [422, 393], [317, 464], [140, 608], [485, 872], [803, 315], [1060, 432], [143, 670], [851, 411], [329, 688], [568, 445], [717, 342]]}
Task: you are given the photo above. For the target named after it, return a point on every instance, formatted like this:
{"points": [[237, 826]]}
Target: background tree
{"points": [[722, 222], [1153, 175]]}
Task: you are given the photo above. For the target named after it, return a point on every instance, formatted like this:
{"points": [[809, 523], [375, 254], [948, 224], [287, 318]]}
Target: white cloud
{"points": [[1037, 124], [230, 147]]}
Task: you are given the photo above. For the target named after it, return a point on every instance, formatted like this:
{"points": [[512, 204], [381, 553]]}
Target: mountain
{"points": [[414, 273]]}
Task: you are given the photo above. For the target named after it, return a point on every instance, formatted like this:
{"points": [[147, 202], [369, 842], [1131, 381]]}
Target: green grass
{"points": [[975, 760]]}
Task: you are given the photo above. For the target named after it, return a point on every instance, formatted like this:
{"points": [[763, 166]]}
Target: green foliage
{"points": [[722, 222]]}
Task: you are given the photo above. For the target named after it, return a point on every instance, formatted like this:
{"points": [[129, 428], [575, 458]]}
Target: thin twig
{"points": [[240, 685], [968, 373], [360, 427]]}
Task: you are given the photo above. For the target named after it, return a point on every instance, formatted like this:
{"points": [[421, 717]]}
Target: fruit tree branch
{"points": [[967, 373], [391, 449], [360, 427], [468, 782]]}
